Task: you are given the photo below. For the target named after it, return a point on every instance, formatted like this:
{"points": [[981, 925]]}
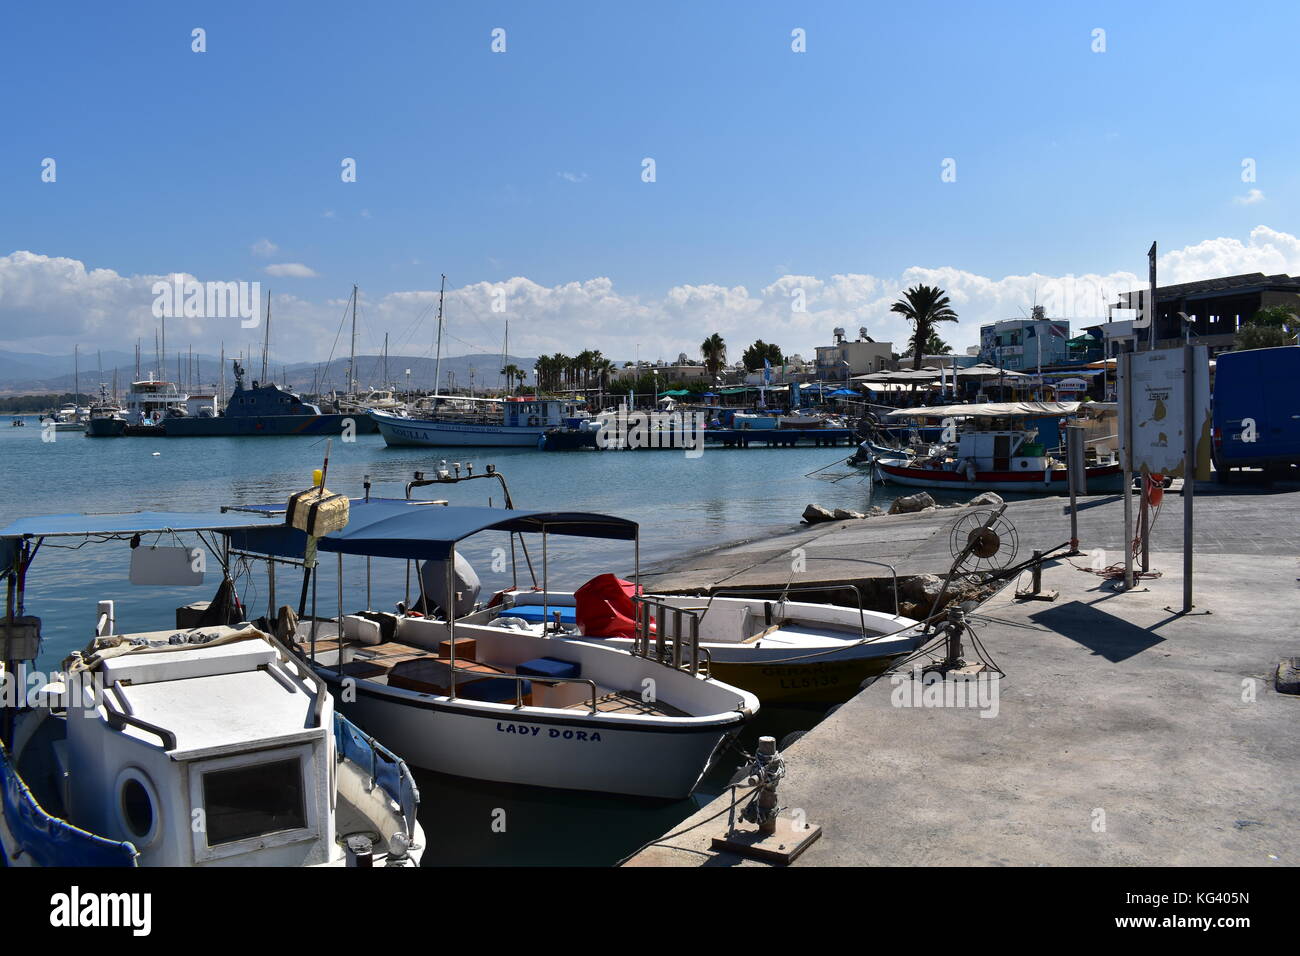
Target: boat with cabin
{"points": [[205, 744], [460, 420], [265, 408], [994, 448]]}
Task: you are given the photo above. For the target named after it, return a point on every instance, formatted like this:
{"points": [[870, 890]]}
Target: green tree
{"points": [[1271, 327], [1275, 317], [754, 355], [714, 352], [512, 372], [1252, 336], [924, 306]]}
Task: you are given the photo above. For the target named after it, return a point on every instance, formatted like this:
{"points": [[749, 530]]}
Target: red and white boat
{"points": [[993, 448]]}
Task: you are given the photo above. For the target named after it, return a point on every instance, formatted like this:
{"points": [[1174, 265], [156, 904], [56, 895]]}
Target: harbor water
{"points": [[682, 504]]}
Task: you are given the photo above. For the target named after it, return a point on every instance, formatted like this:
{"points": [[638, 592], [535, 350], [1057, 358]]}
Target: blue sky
{"points": [[527, 164]]}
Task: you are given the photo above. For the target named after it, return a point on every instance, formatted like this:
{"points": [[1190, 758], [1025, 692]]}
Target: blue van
{"points": [[1257, 411]]}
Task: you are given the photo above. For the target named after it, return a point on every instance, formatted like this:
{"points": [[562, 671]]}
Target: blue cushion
{"points": [[533, 613], [549, 667], [497, 690]]}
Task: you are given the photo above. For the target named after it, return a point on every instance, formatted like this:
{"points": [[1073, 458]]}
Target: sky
{"points": [[1012, 153]]}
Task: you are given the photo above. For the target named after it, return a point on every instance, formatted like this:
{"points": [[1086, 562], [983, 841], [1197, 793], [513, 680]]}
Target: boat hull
{"points": [[504, 744], [1105, 479], [400, 431], [106, 427], [238, 426], [815, 682]]}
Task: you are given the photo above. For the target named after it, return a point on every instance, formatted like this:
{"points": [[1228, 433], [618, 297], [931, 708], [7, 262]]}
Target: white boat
{"points": [[151, 401], [782, 651], [497, 699], [481, 422], [201, 746]]}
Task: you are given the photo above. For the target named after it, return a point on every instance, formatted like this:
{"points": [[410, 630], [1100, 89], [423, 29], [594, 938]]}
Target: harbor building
{"points": [[1214, 310], [844, 359], [1022, 344]]}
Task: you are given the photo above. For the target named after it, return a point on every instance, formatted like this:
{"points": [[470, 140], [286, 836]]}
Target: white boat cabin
{"points": [[544, 413]]}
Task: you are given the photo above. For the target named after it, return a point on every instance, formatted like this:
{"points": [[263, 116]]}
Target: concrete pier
{"points": [[1124, 733]]}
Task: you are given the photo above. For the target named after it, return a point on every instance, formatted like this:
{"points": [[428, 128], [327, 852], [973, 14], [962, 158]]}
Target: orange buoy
{"points": [[1155, 489]]}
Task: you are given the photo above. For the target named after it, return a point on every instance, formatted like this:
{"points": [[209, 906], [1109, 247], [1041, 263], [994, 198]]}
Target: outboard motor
{"points": [[433, 582]]}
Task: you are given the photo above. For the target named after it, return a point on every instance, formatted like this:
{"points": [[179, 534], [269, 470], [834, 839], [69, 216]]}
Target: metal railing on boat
{"points": [[667, 649]]}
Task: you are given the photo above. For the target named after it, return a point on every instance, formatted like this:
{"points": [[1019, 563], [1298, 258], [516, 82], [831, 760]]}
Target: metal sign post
{"points": [[1124, 371], [1190, 431]]}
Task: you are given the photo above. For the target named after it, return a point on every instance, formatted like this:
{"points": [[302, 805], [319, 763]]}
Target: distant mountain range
{"points": [[27, 373]]}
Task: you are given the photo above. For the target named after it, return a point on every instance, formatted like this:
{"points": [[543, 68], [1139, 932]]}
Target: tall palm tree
{"points": [[923, 306], [714, 352]]}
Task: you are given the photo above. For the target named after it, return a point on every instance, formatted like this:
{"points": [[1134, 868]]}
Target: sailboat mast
{"points": [[76, 380], [352, 359], [266, 334], [437, 365]]}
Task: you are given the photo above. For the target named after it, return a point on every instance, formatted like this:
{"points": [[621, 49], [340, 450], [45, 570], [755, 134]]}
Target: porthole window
{"points": [[138, 807]]}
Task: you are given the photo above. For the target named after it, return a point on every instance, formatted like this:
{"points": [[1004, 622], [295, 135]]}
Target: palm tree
{"points": [[937, 346], [923, 306], [512, 372], [714, 352]]}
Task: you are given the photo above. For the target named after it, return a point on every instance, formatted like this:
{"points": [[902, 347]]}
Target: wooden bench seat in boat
{"points": [[433, 675]]}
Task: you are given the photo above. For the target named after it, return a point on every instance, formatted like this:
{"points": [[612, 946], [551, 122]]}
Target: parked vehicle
{"points": [[1256, 412]]}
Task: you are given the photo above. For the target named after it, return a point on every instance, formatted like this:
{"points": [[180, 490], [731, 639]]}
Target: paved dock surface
{"points": [[1125, 733], [1240, 521]]}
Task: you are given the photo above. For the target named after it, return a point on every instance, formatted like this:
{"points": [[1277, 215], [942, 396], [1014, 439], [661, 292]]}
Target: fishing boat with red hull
{"points": [[993, 447]]}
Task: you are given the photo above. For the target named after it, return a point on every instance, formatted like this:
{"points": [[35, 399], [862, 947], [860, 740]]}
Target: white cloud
{"points": [[1252, 197], [48, 303], [292, 270], [264, 248], [573, 177]]}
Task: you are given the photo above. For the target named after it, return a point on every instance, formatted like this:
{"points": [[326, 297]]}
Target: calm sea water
{"points": [[681, 504]]}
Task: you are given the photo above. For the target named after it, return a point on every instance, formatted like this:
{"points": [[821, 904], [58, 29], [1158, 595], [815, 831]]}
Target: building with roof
{"points": [[1215, 309], [843, 359], [1021, 344]]}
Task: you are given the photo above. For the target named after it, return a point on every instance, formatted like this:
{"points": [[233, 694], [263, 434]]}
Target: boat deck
{"points": [[410, 667]]}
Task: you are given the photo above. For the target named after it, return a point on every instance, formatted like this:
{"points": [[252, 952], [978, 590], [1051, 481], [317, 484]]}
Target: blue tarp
{"points": [[384, 767], [397, 528], [48, 840]]}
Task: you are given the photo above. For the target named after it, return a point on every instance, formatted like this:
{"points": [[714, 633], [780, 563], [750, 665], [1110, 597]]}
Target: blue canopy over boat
{"points": [[423, 530]]}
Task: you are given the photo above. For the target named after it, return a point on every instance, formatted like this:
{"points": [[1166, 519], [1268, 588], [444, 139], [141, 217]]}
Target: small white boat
{"points": [[203, 746], [782, 651]]}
